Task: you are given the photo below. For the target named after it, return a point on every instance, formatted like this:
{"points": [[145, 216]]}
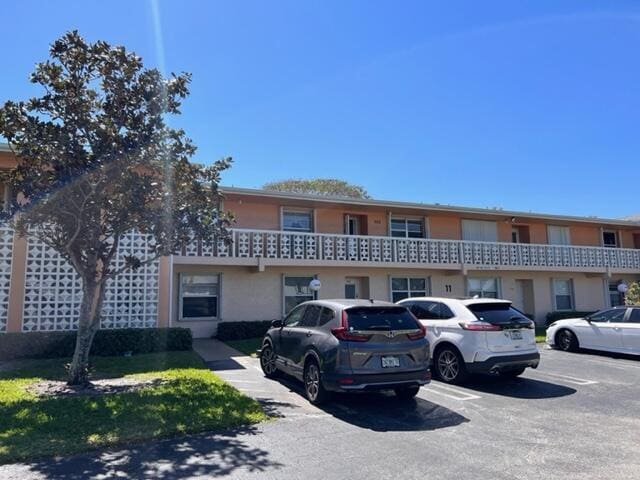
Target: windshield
{"points": [[497, 313], [381, 318]]}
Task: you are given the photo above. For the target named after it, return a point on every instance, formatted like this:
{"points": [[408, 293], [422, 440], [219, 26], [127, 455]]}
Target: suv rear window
{"points": [[380, 318], [497, 313]]}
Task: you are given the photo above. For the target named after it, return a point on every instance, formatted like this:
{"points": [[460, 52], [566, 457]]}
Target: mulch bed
{"points": [[55, 388]]}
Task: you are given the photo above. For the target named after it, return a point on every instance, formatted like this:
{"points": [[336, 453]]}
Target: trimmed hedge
{"points": [[553, 316], [106, 342], [242, 330]]}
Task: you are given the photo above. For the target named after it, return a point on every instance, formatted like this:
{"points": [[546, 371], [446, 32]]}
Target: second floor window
{"points": [[479, 230], [557, 235], [297, 220], [407, 228]]}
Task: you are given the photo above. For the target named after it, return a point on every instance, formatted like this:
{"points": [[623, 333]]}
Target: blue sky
{"points": [[524, 105]]}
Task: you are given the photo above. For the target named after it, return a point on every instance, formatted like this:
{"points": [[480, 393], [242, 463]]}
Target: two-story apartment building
{"points": [[357, 248], [390, 250]]}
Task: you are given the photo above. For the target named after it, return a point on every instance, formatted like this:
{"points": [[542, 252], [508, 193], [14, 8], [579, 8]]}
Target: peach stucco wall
{"points": [[264, 213], [447, 228], [254, 214]]}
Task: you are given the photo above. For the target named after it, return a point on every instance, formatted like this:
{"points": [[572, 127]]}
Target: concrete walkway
{"points": [[283, 398]]}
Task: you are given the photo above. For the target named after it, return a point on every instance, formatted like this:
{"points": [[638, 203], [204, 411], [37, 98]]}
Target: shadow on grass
{"points": [[207, 455], [194, 401]]}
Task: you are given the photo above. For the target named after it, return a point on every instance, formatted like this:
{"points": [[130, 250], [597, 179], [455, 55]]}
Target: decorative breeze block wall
{"points": [[53, 292], [6, 254]]}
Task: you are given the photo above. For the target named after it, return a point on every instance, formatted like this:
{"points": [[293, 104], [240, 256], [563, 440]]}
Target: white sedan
{"points": [[612, 330]]}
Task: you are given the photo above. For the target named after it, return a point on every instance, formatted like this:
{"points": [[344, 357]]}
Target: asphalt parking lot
{"points": [[576, 417]]}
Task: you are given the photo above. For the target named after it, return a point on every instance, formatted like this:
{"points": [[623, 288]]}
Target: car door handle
{"points": [[309, 333], [617, 328]]}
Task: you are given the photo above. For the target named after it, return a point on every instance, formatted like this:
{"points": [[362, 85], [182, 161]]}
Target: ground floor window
{"points": [[615, 297], [483, 287], [405, 287], [199, 296], [296, 290], [563, 293]]}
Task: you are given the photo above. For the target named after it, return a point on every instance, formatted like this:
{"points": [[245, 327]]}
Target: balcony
{"points": [[262, 248]]}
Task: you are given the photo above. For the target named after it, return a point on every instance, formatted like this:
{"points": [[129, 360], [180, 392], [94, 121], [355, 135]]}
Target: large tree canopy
{"points": [[331, 187], [97, 160]]}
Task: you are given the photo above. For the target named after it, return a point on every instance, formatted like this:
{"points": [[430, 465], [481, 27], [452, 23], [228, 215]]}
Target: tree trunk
{"points": [[88, 325]]}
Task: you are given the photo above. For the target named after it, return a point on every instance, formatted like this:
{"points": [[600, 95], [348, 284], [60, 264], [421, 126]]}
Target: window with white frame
{"points": [[407, 228], [297, 220], [483, 287], [406, 287], [558, 235], [562, 293], [199, 296], [296, 290], [479, 230]]}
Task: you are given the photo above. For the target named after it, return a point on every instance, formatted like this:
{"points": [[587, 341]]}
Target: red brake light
{"points": [[342, 332], [419, 334], [480, 327]]}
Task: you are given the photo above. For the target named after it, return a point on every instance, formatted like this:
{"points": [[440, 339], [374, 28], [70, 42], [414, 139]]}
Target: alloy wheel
{"points": [[312, 381], [448, 365], [268, 361]]}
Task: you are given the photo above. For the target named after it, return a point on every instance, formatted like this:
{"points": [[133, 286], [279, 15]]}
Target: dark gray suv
{"points": [[348, 345]]}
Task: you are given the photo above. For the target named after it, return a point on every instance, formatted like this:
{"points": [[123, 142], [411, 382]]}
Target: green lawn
{"points": [[248, 346], [191, 399]]}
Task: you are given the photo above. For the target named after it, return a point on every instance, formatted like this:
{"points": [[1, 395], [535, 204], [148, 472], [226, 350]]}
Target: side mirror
{"points": [[277, 324]]}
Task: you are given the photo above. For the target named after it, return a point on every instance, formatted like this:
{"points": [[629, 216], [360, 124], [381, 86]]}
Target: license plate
{"points": [[516, 335], [388, 362]]}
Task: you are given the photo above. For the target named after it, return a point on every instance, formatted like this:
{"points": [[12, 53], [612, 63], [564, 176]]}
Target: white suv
{"points": [[479, 335]]}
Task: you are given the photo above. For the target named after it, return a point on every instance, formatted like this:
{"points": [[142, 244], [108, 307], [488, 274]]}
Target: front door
{"points": [[352, 225], [352, 288], [523, 297]]}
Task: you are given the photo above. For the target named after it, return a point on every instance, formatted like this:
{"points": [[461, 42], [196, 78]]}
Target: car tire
{"points": [[449, 366], [512, 373], [313, 388], [407, 393], [268, 361], [567, 341]]}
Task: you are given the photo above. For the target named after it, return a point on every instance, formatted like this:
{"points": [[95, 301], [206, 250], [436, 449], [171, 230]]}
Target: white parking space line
{"points": [[450, 392], [624, 364], [567, 378]]}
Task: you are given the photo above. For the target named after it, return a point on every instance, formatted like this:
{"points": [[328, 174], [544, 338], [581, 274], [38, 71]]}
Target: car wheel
{"points": [[313, 388], [567, 341], [512, 373], [407, 393], [449, 366], [268, 361]]}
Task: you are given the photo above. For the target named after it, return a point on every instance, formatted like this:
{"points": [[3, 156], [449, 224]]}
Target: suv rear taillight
{"points": [[342, 332], [420, 333], [480, 326]]}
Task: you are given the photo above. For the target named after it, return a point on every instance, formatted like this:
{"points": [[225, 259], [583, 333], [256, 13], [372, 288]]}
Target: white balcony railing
{"points": [[364, 248]]}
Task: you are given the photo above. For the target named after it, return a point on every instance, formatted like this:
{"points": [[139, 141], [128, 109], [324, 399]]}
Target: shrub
{"points": [[106, 342], [559, 315], [242, 330], [632, 297]]}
